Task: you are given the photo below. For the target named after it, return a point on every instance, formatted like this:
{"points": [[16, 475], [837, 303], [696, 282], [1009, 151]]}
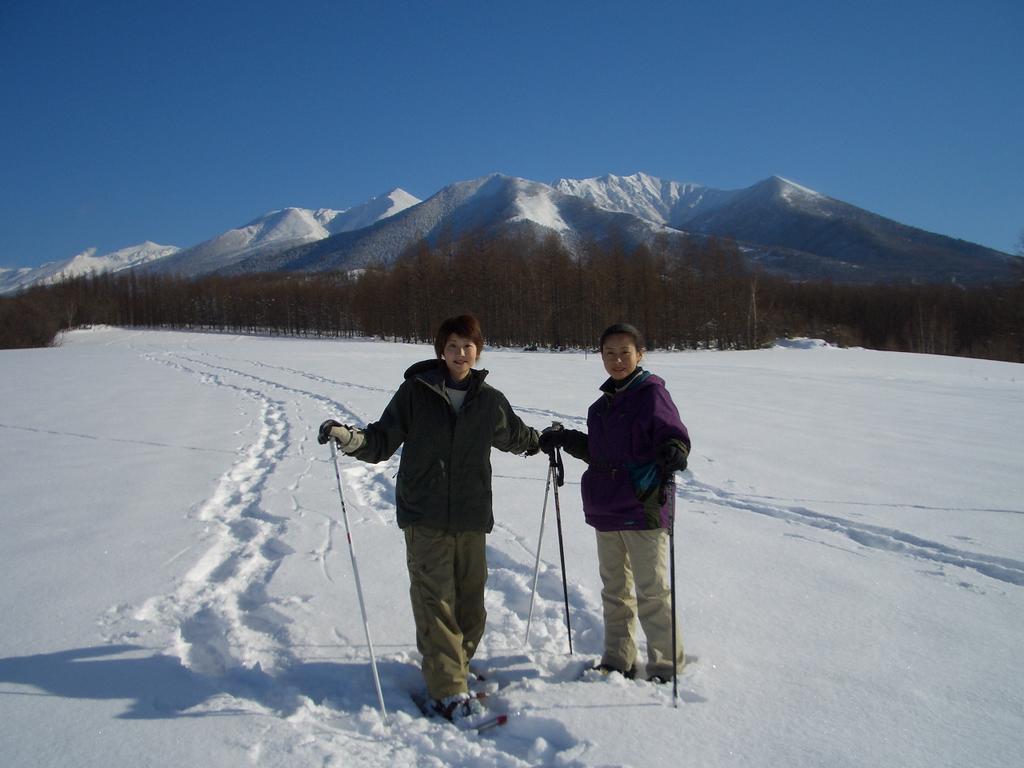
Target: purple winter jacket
{"points": [[622, 482]]}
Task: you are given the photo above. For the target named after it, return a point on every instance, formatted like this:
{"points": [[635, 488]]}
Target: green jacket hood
{"points": [[432, 372], [424, 366]]}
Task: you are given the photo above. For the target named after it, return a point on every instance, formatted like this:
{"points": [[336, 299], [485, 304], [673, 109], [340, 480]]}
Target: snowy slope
{"points": [[666, 202], [799, 233], [491, 205], [274, 230], [370, 212], [278, 231], [674, 203], [14, 278], [87, 262], [178, 588]]}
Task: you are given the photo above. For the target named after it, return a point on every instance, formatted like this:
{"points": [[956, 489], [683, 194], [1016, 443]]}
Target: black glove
{"points": [[551, 438], [325, 431], [671, 457]]}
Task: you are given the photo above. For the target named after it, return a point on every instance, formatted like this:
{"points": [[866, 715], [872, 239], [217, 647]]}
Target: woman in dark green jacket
{"points": [[448, 418]]}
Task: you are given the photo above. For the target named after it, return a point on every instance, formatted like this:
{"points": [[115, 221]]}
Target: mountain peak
{"points": [[382, 206], [281, 225], [639, 194], [786, 188], [401, 198], [651, 198]]}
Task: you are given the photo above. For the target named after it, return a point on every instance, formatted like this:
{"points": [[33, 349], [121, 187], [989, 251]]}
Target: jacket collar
{"points": [[431, 373], [611, 387]]}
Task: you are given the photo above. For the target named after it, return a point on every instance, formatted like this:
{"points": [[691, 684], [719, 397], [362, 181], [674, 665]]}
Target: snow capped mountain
{"points": [[274, 232], [278, 226], [783, 226], [670, 203], [491, 205], [793, 191], [756, 213], [797, 232], [125, 258], [14, 279], [370, 212], [677, 204], [277, 229], [84, 263], [640, 194], [385, 239], [280, 231], [536, 203]]}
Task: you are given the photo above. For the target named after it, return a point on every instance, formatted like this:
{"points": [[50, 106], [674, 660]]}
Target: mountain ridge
{"points": [[84, 263], [491, 205], [779, 225]]}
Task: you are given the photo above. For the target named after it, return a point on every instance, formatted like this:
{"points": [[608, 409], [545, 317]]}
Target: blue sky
{"points": [[175, 121]]}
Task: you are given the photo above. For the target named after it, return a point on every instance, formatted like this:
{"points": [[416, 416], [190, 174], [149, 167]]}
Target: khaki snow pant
{"points": [[447, 575], [637, 558]]}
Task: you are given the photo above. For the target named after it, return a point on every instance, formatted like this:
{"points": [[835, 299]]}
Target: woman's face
{"points": [[620, 355], [460, 356]]}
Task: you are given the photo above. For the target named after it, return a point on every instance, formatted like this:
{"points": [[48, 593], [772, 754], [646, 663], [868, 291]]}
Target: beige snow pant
{"points": [[639, 559], [447, 575]]}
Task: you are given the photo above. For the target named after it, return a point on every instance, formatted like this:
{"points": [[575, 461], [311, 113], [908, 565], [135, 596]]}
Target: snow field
{"points": [[179, 587]]}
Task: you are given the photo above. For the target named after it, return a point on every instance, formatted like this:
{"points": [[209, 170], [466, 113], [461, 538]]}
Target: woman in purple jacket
{"points": [[635, 441]]}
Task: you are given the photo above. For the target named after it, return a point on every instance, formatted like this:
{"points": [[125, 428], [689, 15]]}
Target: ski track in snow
{"points": [[870, 536], [225, 625], [222, 616]]}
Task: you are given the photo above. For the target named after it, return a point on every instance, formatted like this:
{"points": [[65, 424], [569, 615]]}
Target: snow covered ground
{"points": [[177, 589]]}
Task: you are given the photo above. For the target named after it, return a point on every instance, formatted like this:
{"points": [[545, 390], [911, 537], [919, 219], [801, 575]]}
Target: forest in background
{"points": [[534, 293]]}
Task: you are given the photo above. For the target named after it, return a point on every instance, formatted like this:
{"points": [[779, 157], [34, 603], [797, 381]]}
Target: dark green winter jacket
{"points": [[444, 478]]}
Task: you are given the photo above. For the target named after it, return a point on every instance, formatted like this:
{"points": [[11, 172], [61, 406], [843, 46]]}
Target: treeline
{"points": [[683, 294]]}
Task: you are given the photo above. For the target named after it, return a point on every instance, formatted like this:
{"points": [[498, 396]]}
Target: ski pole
{"points": [[557, 470], [669, 489], [359, 587], [536, 564]]}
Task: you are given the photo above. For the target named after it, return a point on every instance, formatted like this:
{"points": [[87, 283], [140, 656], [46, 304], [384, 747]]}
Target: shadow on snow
{"points": [[159, 686]]}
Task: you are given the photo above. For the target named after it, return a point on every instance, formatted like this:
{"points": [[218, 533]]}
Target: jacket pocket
{"points": [[646, 480]]}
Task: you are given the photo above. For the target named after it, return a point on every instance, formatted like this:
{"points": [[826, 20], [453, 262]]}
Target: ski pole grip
{"points": [[555, 457]]}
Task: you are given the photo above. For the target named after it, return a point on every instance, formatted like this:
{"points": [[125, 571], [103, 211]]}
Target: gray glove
{"points": [[349, 439]]}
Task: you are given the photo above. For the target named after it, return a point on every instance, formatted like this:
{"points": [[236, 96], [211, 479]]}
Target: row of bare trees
{"points": [[536, 293], [689, 294]]}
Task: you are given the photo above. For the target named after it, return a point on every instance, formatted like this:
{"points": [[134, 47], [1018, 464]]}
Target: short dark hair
{"points": [[466, 326], [629, 330]]}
